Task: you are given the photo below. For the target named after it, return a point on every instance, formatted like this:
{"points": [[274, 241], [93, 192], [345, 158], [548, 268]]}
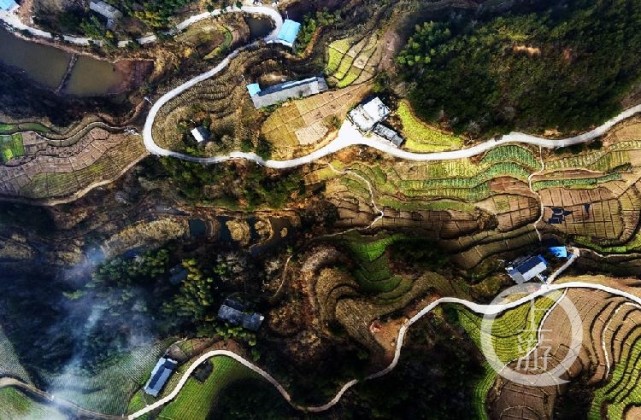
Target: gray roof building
{"points": [[367, 115], [235, 313], [284, 91], [525, 269], [105, 9], [159, 376], [389, 134]]}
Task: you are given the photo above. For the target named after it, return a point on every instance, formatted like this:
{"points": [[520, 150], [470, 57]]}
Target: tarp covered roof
{"points": [[8, 4], [254, 89], [559, 251], [289, 31]]}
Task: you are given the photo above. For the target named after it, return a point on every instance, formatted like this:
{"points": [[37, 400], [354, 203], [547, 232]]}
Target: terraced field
{"points": [[352, 60], [110, 389], [609, 359], [515, 332], [10, 364], [473, 206], [302, 125]]}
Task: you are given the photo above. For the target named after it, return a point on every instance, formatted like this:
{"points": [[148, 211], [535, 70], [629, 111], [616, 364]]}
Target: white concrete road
{"points": [[350, 136], [475, 307]]}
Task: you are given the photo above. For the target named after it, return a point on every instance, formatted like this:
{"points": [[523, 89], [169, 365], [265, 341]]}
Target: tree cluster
{"points": [[560, 68]]}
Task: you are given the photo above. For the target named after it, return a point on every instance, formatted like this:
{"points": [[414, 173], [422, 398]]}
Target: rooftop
{"points": [[253, 89], [104, 9], [367, 115], [159, 376], [284, 91], [525, 269], [389, 134], [234, 313], [8, 5], [201, 134], [289, 32], [558, 251]]}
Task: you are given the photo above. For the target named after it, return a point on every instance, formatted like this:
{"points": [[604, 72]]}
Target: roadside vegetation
{"points": [[421, 137], [557, 68], [243, 186], [11, 147]]}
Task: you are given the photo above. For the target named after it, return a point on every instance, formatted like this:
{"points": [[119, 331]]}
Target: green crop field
{"points": [[196, 399], [11, 147], [14, 405], [370, 249], [632, 246], [578, 183], [622, 389], [481, 390], [514, 330], [511, 153], [420, 137]]}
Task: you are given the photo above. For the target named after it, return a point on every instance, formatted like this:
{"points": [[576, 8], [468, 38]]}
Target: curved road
{"points": [[475, 307]]}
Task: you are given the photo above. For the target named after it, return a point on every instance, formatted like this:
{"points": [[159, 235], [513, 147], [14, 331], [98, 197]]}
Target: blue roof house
{"points": [[525, 269], [8, 5], [558, 251], [253, 89], [288, 32], [160, 375]]}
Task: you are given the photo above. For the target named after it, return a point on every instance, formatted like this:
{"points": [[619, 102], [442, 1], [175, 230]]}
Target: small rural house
{"points": [[288, 33], [525, 269], [367, 115], [284, 91], [388, 134], [201, 134], [160, 375], [235, 313], [105, 10]]}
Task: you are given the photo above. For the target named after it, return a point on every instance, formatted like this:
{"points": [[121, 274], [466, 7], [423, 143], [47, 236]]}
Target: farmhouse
{"points": [[8, 5], [284, 91], [105, 10], [159, 376], [388, 134], [367, 115], [201, 134], [235, 313], [558, 215], [525, 269], [288, 32]]}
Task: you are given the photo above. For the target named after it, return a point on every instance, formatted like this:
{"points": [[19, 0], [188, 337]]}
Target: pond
{"points": [[45, 65], [48, 65], [258, 27]]}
